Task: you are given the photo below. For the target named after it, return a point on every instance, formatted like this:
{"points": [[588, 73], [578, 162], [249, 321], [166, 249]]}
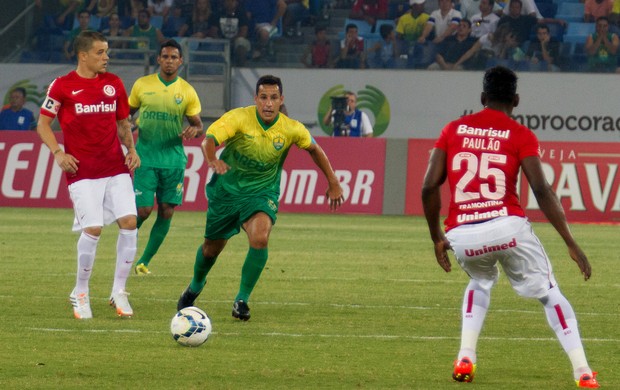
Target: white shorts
{"points": [[511, 242], [99, 202]]}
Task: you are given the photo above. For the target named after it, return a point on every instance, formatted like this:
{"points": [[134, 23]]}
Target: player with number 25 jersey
{"points": [[483, 165]]}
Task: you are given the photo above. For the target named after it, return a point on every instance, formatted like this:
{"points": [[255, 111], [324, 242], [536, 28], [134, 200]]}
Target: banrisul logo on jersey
{"points": [[370, 100]]}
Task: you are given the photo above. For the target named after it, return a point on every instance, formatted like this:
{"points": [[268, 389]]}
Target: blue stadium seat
{"points": [[172, 25], [571, 12], [578, 32], [157, 21], [578, 58], [548, 10]]}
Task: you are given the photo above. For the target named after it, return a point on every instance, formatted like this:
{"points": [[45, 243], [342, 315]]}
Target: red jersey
{"points": [[87, 111], [483, 157], [371, 8]]}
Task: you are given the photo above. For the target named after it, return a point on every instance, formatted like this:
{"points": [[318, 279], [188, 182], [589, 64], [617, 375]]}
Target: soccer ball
{"points": [[190, 327]]}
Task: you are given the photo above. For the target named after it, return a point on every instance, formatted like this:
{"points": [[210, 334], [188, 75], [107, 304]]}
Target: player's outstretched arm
{"points": [[65, 161], [552, 208], [194, 130], [132, 160], [208, 149], [431, 202], [334, 190]]}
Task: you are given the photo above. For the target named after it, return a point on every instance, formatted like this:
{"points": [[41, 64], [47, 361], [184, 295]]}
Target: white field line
{"points": [[338, 305], [327, 336]]}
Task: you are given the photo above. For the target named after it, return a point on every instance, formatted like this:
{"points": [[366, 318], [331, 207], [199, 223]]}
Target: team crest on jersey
{"points": [[178, 98], [109, 90], [278, 142]]}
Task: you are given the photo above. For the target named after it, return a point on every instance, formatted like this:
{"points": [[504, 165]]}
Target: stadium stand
{"points": [[571, 12]]}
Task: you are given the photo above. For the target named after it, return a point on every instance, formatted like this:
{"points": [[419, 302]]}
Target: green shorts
{"points": [[165, 183], [226, 215]]}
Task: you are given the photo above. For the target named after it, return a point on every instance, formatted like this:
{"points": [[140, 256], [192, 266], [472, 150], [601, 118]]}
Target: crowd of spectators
{"points": [[419, 34]]}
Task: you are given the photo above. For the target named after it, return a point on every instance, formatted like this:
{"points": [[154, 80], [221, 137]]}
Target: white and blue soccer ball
{"points": [[190, 327]]}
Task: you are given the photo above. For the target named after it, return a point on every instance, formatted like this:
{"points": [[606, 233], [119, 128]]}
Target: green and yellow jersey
{"points": [[163, 105], [254, 151]]}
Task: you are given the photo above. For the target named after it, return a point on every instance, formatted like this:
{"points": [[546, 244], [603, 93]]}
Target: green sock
{"points": [[252, 267], [157, 236], [202, 266]]}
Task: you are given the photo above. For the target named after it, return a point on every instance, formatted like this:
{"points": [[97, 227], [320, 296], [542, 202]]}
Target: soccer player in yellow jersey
{"points": [[243, 192], [164, 100]]}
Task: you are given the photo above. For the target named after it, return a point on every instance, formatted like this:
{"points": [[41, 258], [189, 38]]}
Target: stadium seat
{"points": [[578, 32], [548, 10], [578, 58], [172, 25], [157, 21], [571, 12]]}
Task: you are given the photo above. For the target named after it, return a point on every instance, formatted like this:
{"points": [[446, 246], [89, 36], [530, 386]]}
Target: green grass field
{"points": [[345, 302]]}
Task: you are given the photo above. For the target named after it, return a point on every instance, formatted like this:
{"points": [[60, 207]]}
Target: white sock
{"points": [[86, 250], [562, 319], [126, 247], [475, 305]]}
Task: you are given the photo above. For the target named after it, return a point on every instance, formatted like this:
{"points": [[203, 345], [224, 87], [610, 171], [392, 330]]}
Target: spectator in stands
{"points": [[410, 26], [369, 11], [453, 48], [528, 7], [102, 8], [231, 22], [198, 25], [160, 7], [352, 50], [135, 7], [485, 21], [469, 8], [543, 52], [318, 54], [356, 122], [594, 9], [497, 46], [602, 47], [296, 11], [15, 116], [114, 30], [144, 29], [264, 16], [520, 24], [383, 54], [442, 23], [184, 9], [83, 20], [68, 8]]}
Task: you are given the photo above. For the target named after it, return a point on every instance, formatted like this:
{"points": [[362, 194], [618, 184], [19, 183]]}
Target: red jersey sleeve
{"points": [[53, 100]]}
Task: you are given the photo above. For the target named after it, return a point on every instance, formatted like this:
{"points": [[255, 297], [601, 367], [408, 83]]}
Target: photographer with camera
{"points": [[346, 119]]}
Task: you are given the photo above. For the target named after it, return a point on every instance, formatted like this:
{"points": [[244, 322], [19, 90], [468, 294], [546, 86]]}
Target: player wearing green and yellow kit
{"points": [[243, 192], [164, 100]]}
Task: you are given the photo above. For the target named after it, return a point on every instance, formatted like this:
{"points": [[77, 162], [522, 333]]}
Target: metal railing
{"points": [[17, 31]]}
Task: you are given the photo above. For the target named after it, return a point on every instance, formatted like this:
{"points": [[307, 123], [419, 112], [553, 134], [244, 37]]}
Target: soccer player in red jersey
{"points": [[481, 155], [93, 110]]}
